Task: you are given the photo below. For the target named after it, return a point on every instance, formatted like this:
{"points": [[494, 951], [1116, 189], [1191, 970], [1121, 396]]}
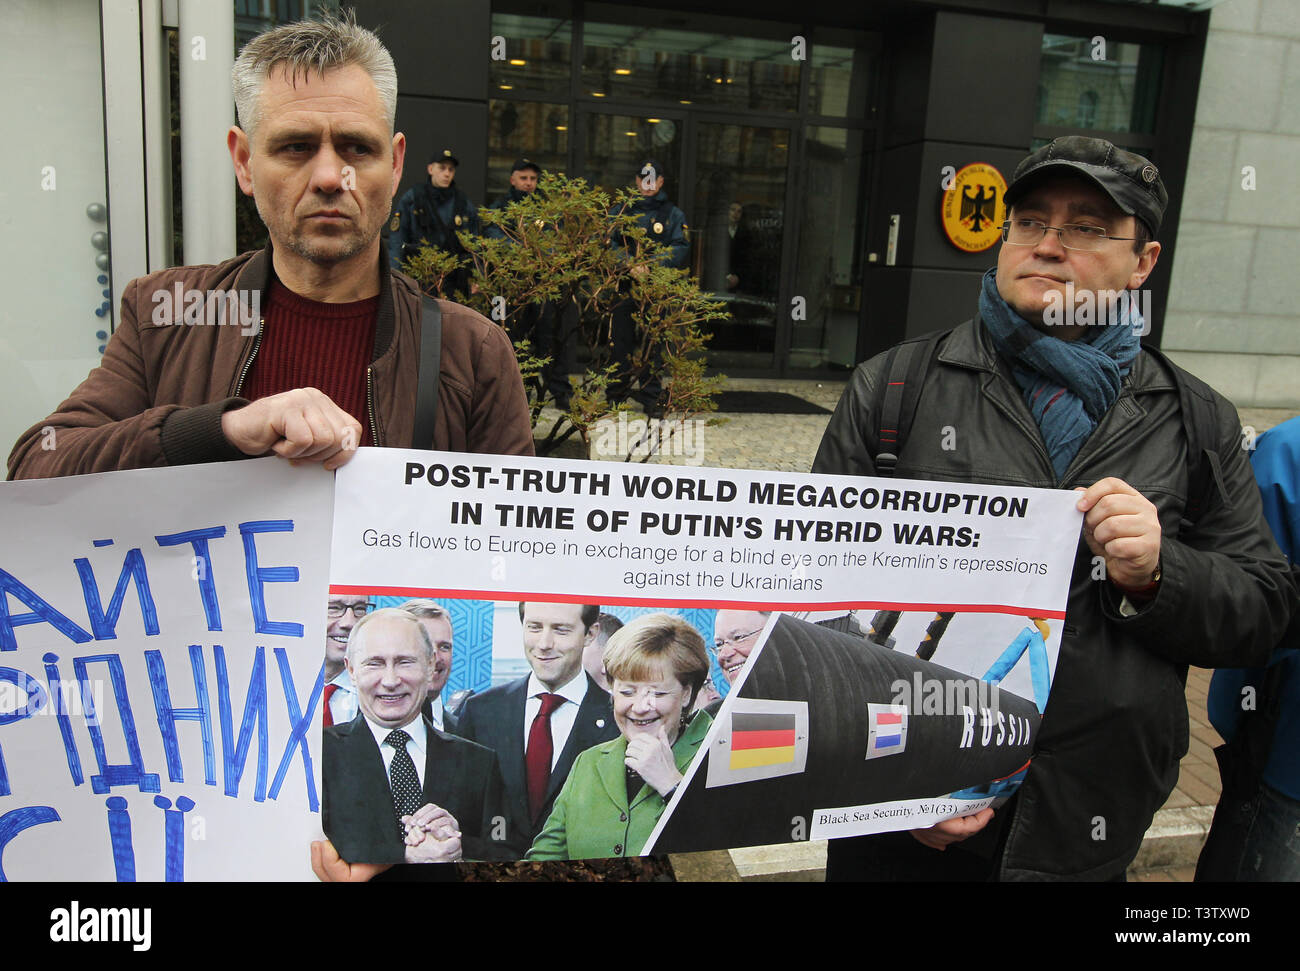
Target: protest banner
{"points": [[160, 672], [882, 648]]}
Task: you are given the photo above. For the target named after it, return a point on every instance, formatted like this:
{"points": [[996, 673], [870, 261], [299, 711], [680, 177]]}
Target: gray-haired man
{"points": [[331, 360]]}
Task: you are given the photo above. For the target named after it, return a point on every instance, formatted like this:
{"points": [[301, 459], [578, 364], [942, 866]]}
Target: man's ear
{"points": [[399, 157], [1146, 263], [240, 153]]}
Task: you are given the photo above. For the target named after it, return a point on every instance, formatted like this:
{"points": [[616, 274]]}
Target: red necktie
{"points": [[329, 693], [537, 757]]}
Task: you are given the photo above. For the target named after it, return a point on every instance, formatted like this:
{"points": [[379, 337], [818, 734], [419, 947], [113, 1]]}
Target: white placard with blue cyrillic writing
{"points": [[161, 639]]}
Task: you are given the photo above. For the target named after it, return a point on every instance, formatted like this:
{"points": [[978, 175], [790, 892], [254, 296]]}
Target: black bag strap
{"points": [[897, 399], [1205, 487], [426, 390]]}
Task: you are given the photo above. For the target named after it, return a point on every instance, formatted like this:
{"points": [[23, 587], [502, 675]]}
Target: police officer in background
{"points": [[538, 322], [523, 180], [434, 212], [665, 224]]}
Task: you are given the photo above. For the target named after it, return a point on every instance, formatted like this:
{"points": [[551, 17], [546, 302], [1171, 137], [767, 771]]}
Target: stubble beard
{"points": [[327, 252]]}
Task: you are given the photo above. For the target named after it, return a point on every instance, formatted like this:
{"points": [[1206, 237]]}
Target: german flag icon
{"points": [[759, 739]]}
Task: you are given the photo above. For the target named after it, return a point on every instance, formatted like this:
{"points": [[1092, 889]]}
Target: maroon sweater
{"points": [[308, 344]]}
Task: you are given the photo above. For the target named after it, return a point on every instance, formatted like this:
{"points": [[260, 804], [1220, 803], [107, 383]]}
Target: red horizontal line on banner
{"points": [[569, 598]]}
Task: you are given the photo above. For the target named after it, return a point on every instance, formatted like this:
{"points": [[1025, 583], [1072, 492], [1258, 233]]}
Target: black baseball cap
{"points": [[525, 163], [1130, 180], [444, 155]]}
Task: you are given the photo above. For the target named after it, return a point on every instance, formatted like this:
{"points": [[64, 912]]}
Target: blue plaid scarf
{"points": [[1068, 385]]}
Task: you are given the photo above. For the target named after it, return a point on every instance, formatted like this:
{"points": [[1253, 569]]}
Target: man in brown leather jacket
{"points": [[309, 347]]}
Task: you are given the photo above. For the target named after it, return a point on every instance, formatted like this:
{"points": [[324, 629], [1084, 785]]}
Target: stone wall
{"points": [[1233, 315]]}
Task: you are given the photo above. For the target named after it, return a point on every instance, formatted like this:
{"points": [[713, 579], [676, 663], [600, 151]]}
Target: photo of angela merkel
{"points": [[617, 791]]}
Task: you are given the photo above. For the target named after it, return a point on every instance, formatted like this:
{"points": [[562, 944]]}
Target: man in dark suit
{"points": [[538, 724], [395, 788], [437, 624]]}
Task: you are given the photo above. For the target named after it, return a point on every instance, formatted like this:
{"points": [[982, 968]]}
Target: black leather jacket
{"points": [[1116, 722]]}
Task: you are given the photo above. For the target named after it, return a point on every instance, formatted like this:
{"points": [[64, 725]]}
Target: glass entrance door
{"points": [[732, 183], [767, 155], [828, 266], [738, 206], [792, 286]]}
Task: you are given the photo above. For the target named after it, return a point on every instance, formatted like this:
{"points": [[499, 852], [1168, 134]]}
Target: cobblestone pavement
{"points": [[783, 442], [788, 442]]}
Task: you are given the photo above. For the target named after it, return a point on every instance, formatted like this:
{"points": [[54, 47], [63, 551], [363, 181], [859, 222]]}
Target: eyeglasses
{"points": [[720, 642], [337, 609], [1029, 232]]}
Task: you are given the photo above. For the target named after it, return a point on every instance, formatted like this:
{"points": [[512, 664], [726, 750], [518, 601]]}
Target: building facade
{"points": [[1230, 318], [811, 155]]}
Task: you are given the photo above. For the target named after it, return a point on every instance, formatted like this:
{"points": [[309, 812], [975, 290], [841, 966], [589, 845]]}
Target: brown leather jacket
{"points": [[159, 392]]}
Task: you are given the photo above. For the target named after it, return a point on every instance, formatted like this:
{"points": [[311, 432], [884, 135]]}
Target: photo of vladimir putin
{"points": [[397, 790], [538, 724]]}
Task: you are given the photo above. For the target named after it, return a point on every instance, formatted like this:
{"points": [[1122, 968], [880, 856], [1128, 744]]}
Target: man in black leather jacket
{"points": [[1029, 392]]}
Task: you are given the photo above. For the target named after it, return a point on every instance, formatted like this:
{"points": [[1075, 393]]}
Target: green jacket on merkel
{"points": [[592, 818]]}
